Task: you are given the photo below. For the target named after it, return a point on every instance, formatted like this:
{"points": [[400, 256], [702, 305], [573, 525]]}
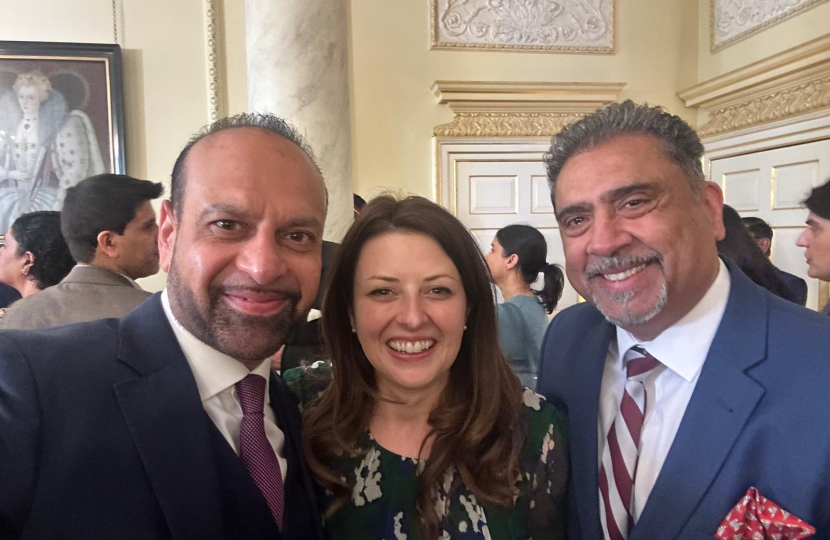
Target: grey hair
{"points": [[266, 121], [679, 140]]}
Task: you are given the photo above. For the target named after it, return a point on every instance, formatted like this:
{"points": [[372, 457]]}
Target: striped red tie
{"points": [[619, 460]]}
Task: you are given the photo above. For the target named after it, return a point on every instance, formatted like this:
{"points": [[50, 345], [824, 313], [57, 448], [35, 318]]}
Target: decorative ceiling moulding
{"points": [[576, 26], [731, 21], [518, 109], [785, 85]]}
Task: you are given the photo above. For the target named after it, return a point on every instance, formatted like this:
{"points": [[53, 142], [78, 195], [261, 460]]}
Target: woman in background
{"points": [[740, 247], [424, 431], [35, 255], [517, 255]]}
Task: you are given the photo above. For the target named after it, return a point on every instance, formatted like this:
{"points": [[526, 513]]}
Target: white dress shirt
{"points": [[216, 375], [682, 348]]}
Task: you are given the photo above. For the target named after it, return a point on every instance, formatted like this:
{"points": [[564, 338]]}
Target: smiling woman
{"points": [[424, 430]]}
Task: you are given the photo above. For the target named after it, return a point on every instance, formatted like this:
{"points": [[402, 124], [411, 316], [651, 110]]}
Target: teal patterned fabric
{"points": [[382, 504]]}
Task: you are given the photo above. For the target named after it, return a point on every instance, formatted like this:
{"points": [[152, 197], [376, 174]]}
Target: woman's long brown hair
{"points": [[477, 427]]}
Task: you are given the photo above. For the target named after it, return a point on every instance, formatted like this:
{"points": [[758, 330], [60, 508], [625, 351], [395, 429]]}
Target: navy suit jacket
{"points": [[759, 416], [796, 286], [103, 435]]}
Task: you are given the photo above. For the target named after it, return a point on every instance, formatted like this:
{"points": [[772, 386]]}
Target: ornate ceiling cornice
{"points": [[787, 84], [519, 109]]}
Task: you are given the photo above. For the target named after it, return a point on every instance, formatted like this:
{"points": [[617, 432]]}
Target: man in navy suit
{"points": [[168, 423], [686, 385]]}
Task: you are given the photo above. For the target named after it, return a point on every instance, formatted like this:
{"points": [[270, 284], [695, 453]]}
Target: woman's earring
{"points": [[353, 330], [465, 327]]}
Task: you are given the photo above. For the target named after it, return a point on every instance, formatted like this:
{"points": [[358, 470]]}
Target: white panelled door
{"points": [[771, 185], [497, 190]]}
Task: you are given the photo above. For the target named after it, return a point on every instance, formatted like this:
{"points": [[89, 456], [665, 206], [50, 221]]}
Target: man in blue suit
{"points": [[686, 385], [168, 423]]}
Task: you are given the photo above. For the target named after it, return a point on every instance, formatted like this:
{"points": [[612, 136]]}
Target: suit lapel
{"points": [[299, 478], [722, 402], [584, 411], [170, 428]]}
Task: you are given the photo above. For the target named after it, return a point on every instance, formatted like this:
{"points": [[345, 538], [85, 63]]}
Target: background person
{"points": [[35, 255], [816, 237], [739, 246], [763, 234], [109, 224], [424, 429], [517, 256]]}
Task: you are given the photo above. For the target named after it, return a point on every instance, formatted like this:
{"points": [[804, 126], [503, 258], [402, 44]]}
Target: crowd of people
{"points": [[690, 383]]}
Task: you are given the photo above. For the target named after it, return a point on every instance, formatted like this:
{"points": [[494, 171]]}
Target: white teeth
{"points": [[411, 347], [622, 275]]}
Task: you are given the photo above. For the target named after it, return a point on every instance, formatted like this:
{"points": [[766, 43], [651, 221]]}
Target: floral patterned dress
{"points": [[382, 505]]}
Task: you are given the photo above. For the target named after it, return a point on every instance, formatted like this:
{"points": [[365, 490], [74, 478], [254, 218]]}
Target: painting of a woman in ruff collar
{"points": [[55, 130]]}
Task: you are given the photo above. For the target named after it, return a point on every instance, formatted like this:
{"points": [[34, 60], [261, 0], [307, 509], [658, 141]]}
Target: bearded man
{"points": [[168, 423]]}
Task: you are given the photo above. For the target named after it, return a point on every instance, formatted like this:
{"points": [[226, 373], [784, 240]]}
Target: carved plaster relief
{"points": [[775, 106], [733, 20], [489, 124], [536, 25]]}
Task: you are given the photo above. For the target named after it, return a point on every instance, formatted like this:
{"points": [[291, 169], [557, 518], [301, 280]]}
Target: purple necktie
{"points": [[254, 449]]}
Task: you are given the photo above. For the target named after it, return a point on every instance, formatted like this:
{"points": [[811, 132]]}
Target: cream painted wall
{"points": [[164, 70], [394, 111], [799, 29]]}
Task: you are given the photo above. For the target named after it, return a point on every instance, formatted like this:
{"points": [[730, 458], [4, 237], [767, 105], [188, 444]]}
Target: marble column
{"points": [[297, 69]]}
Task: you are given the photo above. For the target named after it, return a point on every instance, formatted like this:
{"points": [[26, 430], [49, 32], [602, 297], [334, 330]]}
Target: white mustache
{"points": [[606, 263]]}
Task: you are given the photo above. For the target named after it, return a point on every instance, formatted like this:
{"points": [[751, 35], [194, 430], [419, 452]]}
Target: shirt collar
{"points": [[213, 370], [683, 347], [133, 282]]}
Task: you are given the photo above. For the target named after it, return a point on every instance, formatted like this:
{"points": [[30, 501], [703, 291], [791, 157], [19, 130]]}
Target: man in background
{"points": [[816, 237], [762, 232], [109, 224]]}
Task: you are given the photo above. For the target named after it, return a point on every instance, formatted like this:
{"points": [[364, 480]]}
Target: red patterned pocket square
{"points": [[757, 518]]}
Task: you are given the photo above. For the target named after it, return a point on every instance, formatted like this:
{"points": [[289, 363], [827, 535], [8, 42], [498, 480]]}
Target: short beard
{"points": [[628, 318], [247, 338], [631, 319]]}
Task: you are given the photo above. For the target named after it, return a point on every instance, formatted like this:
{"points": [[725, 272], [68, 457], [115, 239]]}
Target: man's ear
{"points": [[109, 244], [764, 244], [167, 235], [713, 201]]}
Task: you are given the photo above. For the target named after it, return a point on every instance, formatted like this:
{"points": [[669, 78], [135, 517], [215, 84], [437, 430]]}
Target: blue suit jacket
{"points": [[103, 435], [759, 416]]}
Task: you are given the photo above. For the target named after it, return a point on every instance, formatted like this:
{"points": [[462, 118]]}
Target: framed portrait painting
{"points": [[61, 120]]}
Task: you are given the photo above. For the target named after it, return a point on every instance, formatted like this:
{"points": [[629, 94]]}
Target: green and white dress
{"points": [[382, 504]]}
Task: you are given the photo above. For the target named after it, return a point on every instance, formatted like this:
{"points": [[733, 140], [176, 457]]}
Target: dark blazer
{"points": [[103, 435], [8, 295], [758, 417], [87, 293], [796, 286]]}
